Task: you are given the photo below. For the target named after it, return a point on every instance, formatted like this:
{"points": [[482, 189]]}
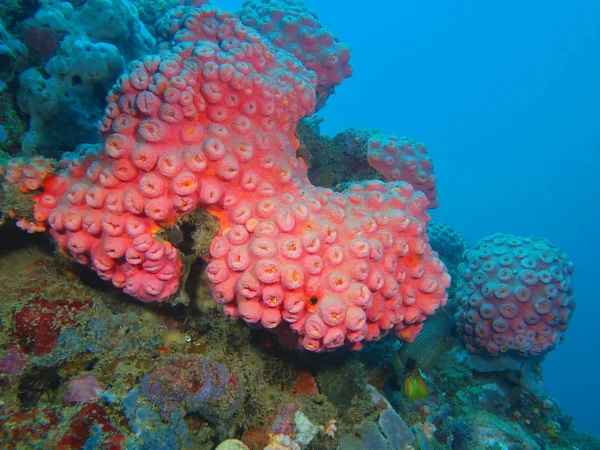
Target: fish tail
{"points": [[414, 386], [397, 363]]}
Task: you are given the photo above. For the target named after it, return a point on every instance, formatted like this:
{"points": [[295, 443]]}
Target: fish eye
{"points": [[313, 301]]}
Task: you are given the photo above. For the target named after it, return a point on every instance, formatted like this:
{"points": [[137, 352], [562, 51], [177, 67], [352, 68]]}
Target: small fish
{"points": [[435, 339]]}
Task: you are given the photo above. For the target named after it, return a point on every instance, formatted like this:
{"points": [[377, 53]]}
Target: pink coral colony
{"points": [[209, 123]]}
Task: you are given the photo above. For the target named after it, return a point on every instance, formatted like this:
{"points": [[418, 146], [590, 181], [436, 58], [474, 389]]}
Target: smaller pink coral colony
{"points": [[30, 176], [209, 123], [403, 160], [292, 26]]}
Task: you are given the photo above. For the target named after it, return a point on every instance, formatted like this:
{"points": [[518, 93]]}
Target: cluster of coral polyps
{"points": [[294, 27], [209, 123], [403, 159], [27, 176], [515, 295], [333, 266]]}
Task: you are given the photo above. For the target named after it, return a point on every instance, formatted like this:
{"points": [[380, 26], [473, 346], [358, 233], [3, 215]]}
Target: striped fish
{"points": [[435, 339]]}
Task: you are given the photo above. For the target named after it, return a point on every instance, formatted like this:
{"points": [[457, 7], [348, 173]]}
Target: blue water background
{"points": [[506, 96]]}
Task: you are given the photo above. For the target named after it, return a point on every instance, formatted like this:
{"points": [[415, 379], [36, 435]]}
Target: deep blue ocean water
{"points": [[506, 96]]}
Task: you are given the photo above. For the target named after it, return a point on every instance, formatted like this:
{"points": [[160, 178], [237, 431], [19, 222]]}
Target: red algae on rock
{"points": [[39, 323]]}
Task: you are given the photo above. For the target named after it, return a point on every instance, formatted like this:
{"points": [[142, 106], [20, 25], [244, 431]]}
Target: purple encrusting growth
{"points": [[193, 384], [12, 362], [83, 389], [283, 422]]}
